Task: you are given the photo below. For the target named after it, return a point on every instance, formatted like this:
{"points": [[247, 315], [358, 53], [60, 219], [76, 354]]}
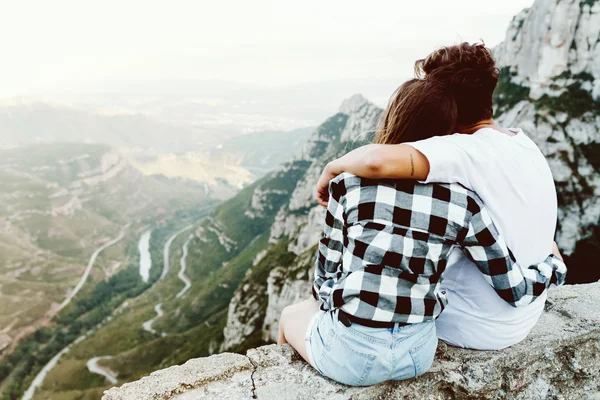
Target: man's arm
{"points": [[375, 161], [515, 285], [331, 246]]}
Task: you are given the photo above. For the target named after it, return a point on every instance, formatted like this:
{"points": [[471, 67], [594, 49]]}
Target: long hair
{"points": [[418, 109]]}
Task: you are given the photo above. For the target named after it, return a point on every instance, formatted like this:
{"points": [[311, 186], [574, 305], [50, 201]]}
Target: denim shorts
{"points": [[361, 356]]}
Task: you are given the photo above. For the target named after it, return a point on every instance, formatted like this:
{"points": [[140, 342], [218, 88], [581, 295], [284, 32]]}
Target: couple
{"points": [[429, 234]]}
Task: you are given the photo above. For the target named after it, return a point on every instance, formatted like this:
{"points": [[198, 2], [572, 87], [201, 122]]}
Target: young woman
{"points": [[503, 166], [384, 250]]}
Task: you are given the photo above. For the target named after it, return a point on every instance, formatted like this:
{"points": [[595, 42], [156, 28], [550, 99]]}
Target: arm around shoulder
{"points": [[383, 161], [375, 161]]}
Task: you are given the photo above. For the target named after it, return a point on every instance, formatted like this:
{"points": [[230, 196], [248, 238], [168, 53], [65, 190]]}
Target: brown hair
{"points": [[419, 109], [471, 73]]}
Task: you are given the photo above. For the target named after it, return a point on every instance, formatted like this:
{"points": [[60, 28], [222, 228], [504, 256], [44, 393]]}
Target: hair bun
{"points": [[464, 64], [470, 72]]}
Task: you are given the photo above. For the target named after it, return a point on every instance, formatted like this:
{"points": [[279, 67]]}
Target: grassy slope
{"points": [[195, 322]]}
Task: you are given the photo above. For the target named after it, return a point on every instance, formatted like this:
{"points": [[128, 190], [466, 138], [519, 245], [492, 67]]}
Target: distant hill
{"points": [[37, 122], [152, 146], [236, 161], [260, 152]]}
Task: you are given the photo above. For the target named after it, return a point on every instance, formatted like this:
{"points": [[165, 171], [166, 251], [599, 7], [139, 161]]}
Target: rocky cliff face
{"points": [[559, 360], [550, 87]]}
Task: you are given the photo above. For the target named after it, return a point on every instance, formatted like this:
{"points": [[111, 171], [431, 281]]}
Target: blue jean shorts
{"points": [[361, 356]]}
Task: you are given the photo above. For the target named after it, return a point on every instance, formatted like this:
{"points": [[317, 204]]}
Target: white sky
{"points": [[48, 45]]}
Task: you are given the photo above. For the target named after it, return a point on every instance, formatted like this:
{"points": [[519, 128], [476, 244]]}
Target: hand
{"points": [[556, 252], [322, 187]]}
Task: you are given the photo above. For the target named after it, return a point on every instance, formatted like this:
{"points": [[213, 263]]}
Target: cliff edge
{"points": [[559, 360]]}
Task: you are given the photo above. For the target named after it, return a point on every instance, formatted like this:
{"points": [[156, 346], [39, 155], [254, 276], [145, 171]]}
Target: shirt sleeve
{"points": [[331, 245], [517, 286], [449, 159]]}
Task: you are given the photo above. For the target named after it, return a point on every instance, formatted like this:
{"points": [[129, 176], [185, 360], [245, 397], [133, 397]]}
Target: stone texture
{"points": [[559, 360], [281, 293], [575, 176], [551, 38], [243, 313], [205, 376]]}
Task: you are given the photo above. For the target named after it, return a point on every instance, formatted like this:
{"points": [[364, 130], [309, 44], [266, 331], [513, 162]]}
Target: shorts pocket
{"points": [[423, 352], [345, 360]]}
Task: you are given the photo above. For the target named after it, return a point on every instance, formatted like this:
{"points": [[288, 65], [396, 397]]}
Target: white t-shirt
{"points": [[513, 179]]}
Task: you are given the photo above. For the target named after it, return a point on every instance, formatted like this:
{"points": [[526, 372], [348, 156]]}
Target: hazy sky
{"points": [[50, 45]]}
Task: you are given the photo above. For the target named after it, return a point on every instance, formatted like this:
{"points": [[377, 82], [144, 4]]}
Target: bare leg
{"points": [[294, 323], [280, 336]]}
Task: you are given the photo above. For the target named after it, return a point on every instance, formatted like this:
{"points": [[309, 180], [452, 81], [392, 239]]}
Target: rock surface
{"points": [[550, 39], [559, 360], [550, 87]]}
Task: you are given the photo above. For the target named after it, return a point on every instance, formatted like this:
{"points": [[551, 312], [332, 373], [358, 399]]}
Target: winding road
{"points": [[167, 249], [39, 378], [159, 313], [92, 364], [89, 267], [181, 274], [166, 255], [94, 368]]}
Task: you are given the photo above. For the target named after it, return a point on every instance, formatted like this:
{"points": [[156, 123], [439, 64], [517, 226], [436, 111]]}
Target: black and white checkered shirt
{"points": [[386, 244]]}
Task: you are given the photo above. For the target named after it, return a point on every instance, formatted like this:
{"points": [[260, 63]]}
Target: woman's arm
{"points": [[375, 161], [518, 286]]}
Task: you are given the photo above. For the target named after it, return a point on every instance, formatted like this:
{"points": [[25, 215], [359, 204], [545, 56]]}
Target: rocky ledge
{"points": [[559, 360]]}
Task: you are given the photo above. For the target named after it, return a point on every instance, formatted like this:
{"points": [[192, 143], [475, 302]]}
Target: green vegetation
{"points": [[588, 2], [508, 93], [87, 311], [574, 101], [591, 151], [519, 28], [37, 349]]}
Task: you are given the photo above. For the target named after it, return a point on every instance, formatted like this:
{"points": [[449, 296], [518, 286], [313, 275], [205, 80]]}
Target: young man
{"points": [[503, 166]]}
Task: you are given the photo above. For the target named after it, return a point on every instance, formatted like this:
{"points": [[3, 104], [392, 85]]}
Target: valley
{"points": [[73, 216]]}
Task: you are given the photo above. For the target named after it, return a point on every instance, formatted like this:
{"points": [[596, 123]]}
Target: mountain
{"points": [[260, 152], [550, 87], [28, 122], [236, 161], [154, 147]]}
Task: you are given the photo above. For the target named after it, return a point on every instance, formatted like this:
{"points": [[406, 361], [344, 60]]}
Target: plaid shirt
{"points": [[386, 244]]}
